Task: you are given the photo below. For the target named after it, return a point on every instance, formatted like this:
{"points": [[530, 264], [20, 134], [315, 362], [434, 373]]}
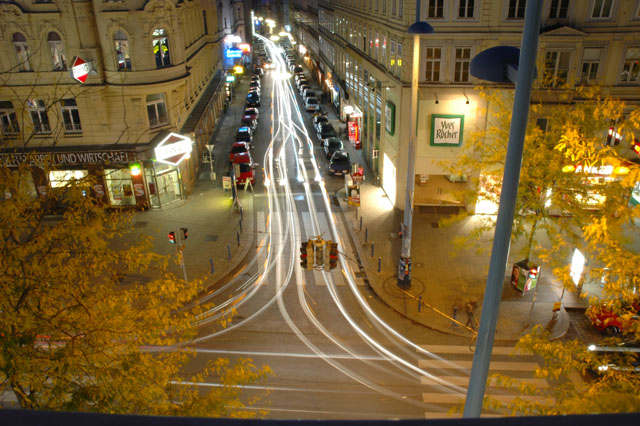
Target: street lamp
{"points": [[497, 65], [404, 265]]}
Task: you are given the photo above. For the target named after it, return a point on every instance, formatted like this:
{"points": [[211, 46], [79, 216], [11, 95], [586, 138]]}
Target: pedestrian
{"points": [[470, 308]]}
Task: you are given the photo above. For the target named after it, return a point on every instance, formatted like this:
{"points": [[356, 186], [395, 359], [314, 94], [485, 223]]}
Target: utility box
{"points": [[524, 275]]}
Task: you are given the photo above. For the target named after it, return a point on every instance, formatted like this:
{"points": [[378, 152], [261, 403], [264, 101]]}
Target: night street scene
{"points": [[373, 211]]}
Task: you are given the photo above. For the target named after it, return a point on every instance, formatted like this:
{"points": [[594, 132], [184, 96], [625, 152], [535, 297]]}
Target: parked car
{"points": [[255, 84], [297, 69], [311, 104], [339, 164], [302, 88], [301, 82], [610, 323], [300, 76], [258, 71], [624, 357], [317, 120], [326, 131], [255, 78], [237, 148], [307, 93], [250, 122], [252, 112], [255, 90], [332, 145], [243, 134], [243, 168], [253, 99]]}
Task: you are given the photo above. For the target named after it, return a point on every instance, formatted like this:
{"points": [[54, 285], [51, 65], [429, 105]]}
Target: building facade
{"points": [[153, 91], [362, 54]]}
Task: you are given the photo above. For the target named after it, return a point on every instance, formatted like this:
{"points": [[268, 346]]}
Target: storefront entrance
{"points": [[163, 186]]}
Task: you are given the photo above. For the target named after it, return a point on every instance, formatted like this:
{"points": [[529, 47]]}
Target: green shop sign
{"points": [[446, 129]]}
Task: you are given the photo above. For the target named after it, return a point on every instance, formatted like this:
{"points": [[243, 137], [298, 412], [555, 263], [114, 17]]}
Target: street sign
{"points": [[173, 149], [79, 69], [226, 182], [357, 177]]}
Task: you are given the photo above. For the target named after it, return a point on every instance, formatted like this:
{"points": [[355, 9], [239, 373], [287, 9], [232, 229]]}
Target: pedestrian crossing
{"points": [[450, 368]]}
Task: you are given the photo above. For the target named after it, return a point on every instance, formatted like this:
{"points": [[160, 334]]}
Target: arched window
{"points": [[57, 52], [161, 48], [122, 51], [22, 52]]}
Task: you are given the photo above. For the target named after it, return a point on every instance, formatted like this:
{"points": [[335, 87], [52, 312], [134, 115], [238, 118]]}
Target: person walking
{"points": [[470, 307]]}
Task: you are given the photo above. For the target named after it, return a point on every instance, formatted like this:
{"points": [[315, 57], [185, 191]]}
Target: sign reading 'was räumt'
{"points": [[446, 129]]}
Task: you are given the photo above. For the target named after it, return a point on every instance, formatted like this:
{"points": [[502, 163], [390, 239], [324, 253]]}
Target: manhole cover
{"points": [[211, 238], [140, 224]]}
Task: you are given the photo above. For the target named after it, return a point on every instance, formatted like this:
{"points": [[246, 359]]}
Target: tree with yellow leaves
{"points": [[73, 333]]}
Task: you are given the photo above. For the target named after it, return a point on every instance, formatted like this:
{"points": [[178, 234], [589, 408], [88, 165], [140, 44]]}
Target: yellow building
{"points": [[153, 68], [361, 53]]}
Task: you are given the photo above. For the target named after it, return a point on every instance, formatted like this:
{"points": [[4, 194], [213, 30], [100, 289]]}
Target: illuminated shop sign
{"points": [[173, 149], [446, 129], [233, 53], [79, 69], [65, 158]]}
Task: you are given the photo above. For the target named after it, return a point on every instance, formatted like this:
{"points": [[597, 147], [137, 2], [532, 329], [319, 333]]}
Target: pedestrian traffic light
{"points": [[185, 233], [172, 237], [303, 255], [616, 138], [333, 255], [635, 146], [610, 133]]}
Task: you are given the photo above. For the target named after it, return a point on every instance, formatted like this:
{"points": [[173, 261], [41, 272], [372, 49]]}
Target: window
{"points": [[400, 8], [157, 110], [38, 112], [434, 55], [204, 21], [392, 57], [22, 52], [70, 116], [602, 9], [590, 63], [435, 9], [631, 67], [161, 48], [461, 65], [122, 51], [393, 7], [383, 58], [57, 52], [377, 47], [556, 67], [466, 9], [558, 9], [8, 119], [399, 59], [384, 7], [516, 9]]}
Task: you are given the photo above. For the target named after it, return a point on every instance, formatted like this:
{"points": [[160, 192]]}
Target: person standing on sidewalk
{"points": [[470, 308]]}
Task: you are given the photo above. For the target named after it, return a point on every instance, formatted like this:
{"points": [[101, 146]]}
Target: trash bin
{"points": [[524, 275]]}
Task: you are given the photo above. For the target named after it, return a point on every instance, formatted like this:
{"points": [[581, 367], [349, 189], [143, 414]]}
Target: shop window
{"points": [[38, 112], [22, 52], [121, 43], [466, 9], [161, 48], [57, 52], [435, 9], [119, 187], [8, 119], [516, 9], [432, 65], [62, 178], [70, 116], [590, 65], [558, 9], [602, 9], [157, 110], [556, 68], [461, 65], [631, 66]]}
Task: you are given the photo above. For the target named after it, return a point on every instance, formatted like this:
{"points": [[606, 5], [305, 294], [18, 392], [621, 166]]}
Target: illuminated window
{"points": [[161, 48], [57, 52], [631, 66], [22, 52], [8, 119], [38, 112], [121, 44]]}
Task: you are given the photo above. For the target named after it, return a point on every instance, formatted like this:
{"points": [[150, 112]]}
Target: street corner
{"points": [[518, 318]]}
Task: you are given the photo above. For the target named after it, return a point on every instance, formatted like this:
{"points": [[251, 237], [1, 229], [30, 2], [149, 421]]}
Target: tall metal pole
{"points": [[404, 265], [504, 222]]}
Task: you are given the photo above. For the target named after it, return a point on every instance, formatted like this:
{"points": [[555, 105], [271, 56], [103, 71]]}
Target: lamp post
{"points": [[404, 265], [487, 65]]}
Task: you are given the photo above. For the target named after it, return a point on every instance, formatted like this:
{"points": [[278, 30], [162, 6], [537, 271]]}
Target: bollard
{"points": [[361, 223], [455, 312], [373, 244], [211, 263], [366, 234], [357, 210], [238, 237], [419, 303], [379, 264], [240, 225], [229, 251], [241, 215]]}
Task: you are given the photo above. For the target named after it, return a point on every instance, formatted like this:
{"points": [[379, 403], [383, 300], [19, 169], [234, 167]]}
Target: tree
{"points": [[574, 189], [72, 331]]}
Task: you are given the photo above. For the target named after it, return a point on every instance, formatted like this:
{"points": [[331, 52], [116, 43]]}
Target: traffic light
{"points": [[635, 146], [185, 233], [303, 255], [319, 252], [610, 133], [172, 237], [616, 138], [333, 255]]}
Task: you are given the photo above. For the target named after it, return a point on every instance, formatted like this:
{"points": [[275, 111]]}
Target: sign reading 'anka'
{"points": [[79, 69], [173, 149]]}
